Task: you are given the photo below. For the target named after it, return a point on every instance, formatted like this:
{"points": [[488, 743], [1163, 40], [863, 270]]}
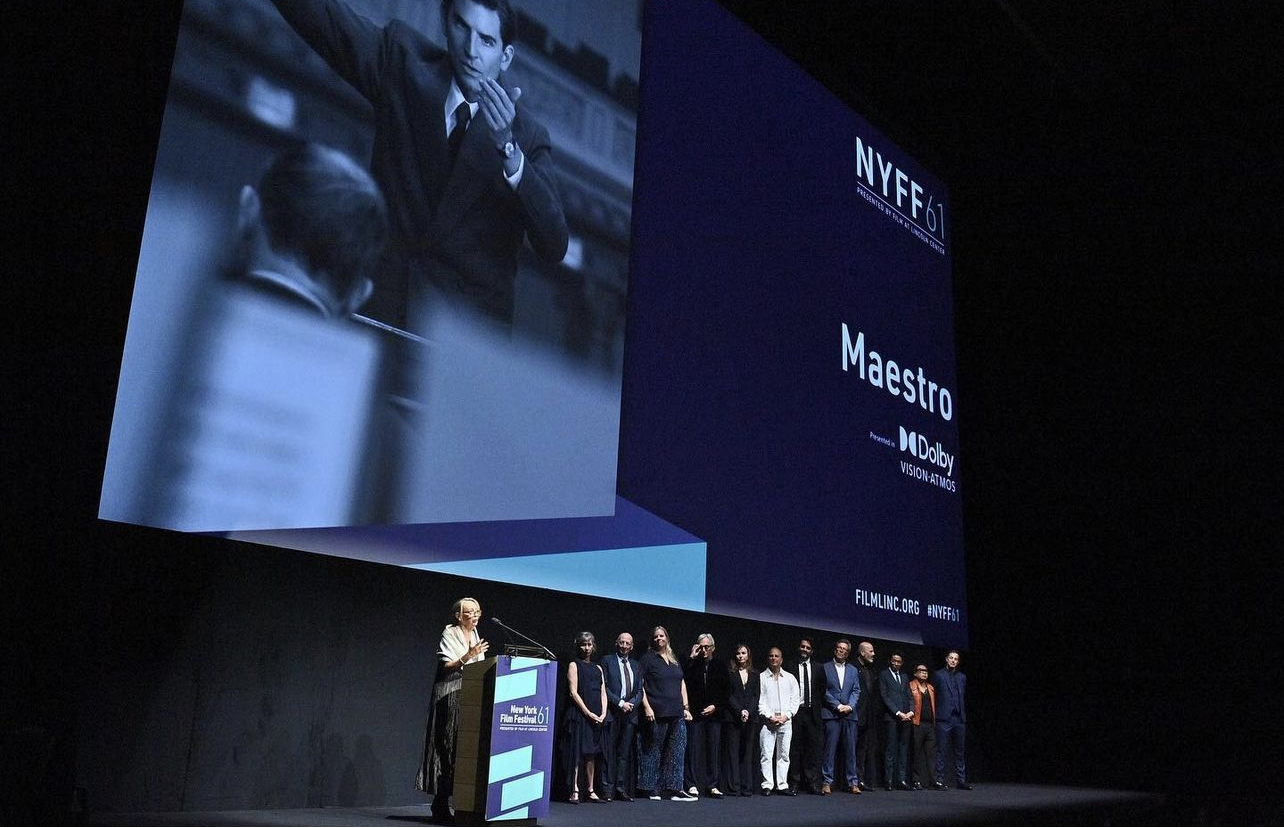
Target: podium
{"points": [[504, 746]]}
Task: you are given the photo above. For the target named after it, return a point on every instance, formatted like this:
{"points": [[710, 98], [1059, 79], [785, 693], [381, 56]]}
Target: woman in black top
{"points": [[664, 736]]}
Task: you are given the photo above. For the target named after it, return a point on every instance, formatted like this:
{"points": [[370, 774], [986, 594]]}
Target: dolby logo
{"points": [[920, 448]]}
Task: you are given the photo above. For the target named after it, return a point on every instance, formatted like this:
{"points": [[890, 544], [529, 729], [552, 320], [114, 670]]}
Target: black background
{"points": [[1115, 180]]}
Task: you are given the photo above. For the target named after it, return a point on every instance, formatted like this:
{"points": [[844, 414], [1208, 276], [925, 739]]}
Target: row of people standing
{"points": [[608, 755], [703, 726], [888, 723]]}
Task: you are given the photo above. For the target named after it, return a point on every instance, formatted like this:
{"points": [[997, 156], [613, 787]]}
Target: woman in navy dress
{"points": [[584, 718]]}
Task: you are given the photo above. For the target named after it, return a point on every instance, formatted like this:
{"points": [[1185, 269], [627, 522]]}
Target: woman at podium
{"points": [[460, 644], [584, 718]]}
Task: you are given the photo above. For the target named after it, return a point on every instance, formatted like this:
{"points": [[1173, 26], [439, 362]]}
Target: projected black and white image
{"points": [[383, 269]]}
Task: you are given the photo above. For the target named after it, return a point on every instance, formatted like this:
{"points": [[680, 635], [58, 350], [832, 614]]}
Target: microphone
{"points": [[547, 651]]}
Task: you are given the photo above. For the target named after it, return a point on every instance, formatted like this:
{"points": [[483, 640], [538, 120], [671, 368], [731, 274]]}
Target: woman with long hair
{"points": [[666, 710], [740, 763]]}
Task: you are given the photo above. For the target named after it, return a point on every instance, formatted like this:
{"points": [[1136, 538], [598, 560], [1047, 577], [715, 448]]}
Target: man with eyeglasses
{"points": [[623, 695], [842, 696], [708, 689]]}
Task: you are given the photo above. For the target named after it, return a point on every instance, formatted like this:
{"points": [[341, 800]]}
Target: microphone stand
{"points": [[546, 651]]}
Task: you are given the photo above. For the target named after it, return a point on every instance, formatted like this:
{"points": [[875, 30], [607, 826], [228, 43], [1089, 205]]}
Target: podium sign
{"points": [[504, 750]]}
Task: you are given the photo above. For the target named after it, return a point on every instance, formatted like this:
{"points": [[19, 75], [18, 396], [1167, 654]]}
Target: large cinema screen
{"points": [[790, 393], [780, 384]]}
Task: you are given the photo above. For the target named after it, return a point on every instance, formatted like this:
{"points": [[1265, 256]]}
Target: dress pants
{"points": [[896, 751], [704, 746], [923, 760], [950, 733], [840, 731], [804, 768], [740, 756], [774, 744], [620, 774], [869, 754]]}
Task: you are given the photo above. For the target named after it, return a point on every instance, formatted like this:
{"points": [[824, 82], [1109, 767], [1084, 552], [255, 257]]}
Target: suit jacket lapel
{"points": [[475, 172], [431, 149]]}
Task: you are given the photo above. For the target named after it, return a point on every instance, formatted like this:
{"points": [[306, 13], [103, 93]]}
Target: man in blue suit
{"points": [[842, 695], [951, 720], [623, 694]]}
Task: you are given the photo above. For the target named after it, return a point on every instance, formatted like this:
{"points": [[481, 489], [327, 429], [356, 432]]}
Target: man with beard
{"points": [[808, 733]]}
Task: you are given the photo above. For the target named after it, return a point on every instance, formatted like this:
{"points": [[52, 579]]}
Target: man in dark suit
{"points": [[708, 691], [951, 720], [898, 713], [623, 694], [808, 737], [842, 696], [868, 755], [466, 175]]}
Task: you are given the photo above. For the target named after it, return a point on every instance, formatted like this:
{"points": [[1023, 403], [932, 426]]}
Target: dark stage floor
{"points": [[986, 805]]}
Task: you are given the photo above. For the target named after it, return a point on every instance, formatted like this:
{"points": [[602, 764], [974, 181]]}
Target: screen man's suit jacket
{"points": [[458, 227]]}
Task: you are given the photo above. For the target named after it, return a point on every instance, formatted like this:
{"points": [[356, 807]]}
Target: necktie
{"points": [[806, 678], [462, 115], [628, 677], [896, 676]]}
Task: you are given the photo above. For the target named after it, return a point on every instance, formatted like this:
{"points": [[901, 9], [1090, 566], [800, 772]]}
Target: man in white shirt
{"points": [[777, 703]]}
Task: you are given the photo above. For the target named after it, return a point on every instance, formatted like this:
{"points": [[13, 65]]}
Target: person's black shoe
{"points": [[901, 786], [766, 791], [964, 786], [917, 786], [866, 788], [937, 786], [442, 812], [890, 788], [623, 796], [789, 792], [746, 792]]}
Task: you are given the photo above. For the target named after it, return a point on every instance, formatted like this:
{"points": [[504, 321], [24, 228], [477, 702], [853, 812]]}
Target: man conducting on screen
{"points": [[467, 175]]}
